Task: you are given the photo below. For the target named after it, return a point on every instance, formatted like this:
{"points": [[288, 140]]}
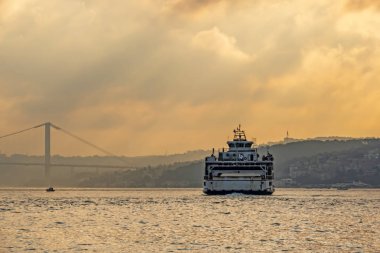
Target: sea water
{"points": [[177, 220]]}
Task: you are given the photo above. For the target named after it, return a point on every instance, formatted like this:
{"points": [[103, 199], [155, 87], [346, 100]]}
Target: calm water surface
{"points": [[295, 220]]}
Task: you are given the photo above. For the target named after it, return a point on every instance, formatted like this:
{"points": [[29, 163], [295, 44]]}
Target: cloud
{"points": [[196, 7], [134, 72], [219, 43], [191, 5], [364, 24], [358, 5]]}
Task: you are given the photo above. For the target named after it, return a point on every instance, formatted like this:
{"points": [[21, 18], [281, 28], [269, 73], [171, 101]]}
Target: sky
{"points": [[166, 76]]}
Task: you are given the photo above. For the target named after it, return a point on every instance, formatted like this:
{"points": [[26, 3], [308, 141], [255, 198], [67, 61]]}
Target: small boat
{"points": [[50, 189]]}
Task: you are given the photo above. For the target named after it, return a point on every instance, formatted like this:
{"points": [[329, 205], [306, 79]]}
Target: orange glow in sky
{"points": [[156, 77]]}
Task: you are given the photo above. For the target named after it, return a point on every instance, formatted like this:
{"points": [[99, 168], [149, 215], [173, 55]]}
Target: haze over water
{"points": [[294, 220]]}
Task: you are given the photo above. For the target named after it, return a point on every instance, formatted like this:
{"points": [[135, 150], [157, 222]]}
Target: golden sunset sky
{"points": [[167, 76]]}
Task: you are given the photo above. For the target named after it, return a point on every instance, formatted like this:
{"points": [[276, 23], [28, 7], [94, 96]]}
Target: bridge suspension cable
{"points": [[48, 164], [88, 143], [71, 135], [20, 131]]}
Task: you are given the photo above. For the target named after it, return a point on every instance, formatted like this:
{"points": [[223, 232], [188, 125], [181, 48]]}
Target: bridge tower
{"points": [[47, 156]]}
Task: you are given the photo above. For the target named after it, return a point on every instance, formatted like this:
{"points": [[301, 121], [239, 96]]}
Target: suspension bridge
{"points": [[47, 164]]}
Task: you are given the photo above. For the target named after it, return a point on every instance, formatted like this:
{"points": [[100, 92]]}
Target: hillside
{"points": [[304, 163]]}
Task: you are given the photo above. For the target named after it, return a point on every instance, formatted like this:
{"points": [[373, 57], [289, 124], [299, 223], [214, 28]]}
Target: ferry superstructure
{"points": [[239, 169]]}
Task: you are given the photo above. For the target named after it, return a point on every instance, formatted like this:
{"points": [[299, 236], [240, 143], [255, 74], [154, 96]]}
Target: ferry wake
{"points": [[239, 169]]}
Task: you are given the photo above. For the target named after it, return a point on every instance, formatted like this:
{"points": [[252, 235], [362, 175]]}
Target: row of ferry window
{"points": [[240, 145], [234, 155]]}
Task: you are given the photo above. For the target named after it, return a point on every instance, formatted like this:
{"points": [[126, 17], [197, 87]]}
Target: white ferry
{"points": [[239, 169]]}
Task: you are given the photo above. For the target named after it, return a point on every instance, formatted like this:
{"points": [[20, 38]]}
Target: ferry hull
{"points": [[249, 192], [221, 187]]}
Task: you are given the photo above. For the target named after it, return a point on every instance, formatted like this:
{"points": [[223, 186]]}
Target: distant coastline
{"points": [[353, 163]]}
